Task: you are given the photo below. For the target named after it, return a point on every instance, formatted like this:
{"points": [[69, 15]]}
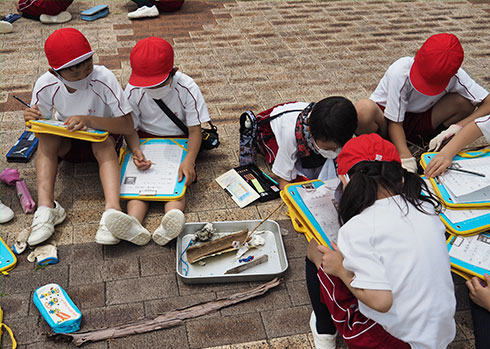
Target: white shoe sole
{"points": [[61, 17], [127, 228], [171, 226]]}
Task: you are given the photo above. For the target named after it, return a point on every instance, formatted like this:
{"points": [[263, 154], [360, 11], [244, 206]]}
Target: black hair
{"points": [[333, 118], [366, 179], [76, 66]]}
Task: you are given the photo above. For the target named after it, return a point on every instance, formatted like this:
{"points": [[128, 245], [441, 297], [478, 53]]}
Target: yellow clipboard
{"points": [[58, 128]]}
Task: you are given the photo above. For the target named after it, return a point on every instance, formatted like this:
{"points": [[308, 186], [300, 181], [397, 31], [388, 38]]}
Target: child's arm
{"points": [[283, 183], [139, 159], [397, 136], [187, 168], [119, 125], [482, 110], [331, 263], [478, 293], [443, 160]]}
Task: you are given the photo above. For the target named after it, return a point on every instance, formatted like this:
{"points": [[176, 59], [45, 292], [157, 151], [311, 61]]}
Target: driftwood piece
{"points": [[238, 269], [196, 253], [166, 320]]}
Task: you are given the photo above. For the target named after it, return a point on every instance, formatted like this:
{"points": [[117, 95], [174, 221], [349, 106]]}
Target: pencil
{"points": [[466, 171], [21, 101]]}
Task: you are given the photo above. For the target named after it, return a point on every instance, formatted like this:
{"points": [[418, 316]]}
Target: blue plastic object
{"points": [[95, 12], [61, 314]]}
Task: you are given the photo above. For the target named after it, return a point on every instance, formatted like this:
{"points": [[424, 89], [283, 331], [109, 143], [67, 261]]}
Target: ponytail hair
{"points": [[367, 177]]}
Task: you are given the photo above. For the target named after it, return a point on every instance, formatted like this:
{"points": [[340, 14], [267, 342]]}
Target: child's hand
{"points": [[331, 260], [478, 293], [188, 170], [140, 161], [438, 165], [32, 113], [76, 123]]}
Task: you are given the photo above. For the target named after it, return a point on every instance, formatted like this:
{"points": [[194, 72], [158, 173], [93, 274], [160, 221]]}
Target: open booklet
{"points": [[465, 187]]}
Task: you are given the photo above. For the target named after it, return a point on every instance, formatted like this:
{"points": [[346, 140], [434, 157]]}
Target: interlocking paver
{"points": [[243, 55]]}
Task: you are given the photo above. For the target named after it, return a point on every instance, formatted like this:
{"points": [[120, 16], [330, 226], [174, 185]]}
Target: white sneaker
{"points": [[170, 227], [6, 27], [143, 12], [103, 235], [45, 218], [322, 341], [61, 17], [6, 214], [128, 228]]}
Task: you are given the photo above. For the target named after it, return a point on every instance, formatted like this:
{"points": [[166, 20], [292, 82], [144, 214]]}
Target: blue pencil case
{"points": [[95, 12], [59, 311]]}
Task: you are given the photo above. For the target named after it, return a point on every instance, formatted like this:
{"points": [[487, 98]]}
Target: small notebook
{"points": [[59, 128]]}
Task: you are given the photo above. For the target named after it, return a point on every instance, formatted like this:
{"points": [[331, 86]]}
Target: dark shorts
{"points": [[81, 151], [358, 331], [417, 126]]}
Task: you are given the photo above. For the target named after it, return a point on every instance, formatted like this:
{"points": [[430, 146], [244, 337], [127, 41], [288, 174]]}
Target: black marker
{"points": [[21, 101]]}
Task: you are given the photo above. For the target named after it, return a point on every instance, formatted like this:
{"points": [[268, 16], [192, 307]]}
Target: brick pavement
{"points": [[243, 55]]}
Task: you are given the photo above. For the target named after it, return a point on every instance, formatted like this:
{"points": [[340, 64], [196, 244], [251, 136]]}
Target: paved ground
{"points": [[243, 55]]}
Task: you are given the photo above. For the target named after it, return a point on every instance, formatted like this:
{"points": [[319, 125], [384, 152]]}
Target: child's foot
{"points": [[61, 17], [103, 235], [143, 12], [6, 27], [45, 218], [322, 341], [170, 227], [128, 228], [6, 214]]}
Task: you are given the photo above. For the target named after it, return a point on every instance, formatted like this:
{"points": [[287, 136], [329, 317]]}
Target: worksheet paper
{"points": [[161, 177], [320, 202], [465, 187], [474, 250]]}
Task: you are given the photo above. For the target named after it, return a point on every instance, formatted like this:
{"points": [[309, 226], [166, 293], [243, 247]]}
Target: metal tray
{"points": [[213, 270]]}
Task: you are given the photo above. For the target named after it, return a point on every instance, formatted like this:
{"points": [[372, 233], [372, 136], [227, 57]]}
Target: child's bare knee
{"points": [[104, 149]]}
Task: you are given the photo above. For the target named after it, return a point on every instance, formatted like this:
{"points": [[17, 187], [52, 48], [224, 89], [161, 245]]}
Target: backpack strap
{"points": [[173, 117], [269, 119]]}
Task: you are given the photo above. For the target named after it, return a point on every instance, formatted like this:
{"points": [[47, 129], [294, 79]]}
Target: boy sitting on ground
{"points": [[83, 96]]}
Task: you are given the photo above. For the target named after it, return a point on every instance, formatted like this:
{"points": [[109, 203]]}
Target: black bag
{"points": [[210, 137]]}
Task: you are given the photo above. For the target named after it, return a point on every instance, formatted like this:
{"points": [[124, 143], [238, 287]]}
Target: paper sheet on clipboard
{"points": [[474, 250], [321, 203]]}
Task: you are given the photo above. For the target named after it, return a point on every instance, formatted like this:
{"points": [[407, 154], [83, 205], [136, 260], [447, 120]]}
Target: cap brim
{"points": [[147, 81], [421, 85]]}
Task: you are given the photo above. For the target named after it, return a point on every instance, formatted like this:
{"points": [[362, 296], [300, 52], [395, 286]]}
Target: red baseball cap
{"points": [[66, 47], [435, 63], [152, 60], [368, 147]]}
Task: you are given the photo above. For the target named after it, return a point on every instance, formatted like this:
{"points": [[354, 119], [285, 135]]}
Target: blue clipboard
{"points": [[179, 188], [298, 211], [439, 188], [464, 267]]}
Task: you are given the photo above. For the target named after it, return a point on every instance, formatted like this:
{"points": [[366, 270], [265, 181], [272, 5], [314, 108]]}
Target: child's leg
{"points": [[138, 209], [175, 205], [50, 148], [450, 109], [370, 118], [109, 172], [481, 325]]}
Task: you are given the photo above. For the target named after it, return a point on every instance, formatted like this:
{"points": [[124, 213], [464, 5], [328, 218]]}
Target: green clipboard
{"points": [[442, 192], [165, 153], [464, 268]]}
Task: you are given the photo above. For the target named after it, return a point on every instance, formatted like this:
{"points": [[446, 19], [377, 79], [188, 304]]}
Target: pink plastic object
{"points": [[28, 205], [9, 176]]}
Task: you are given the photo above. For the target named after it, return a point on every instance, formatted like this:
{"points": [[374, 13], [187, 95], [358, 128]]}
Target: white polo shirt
{"points": [[388, 248], [103, 98], [185, 100], [483, 124], [396, 93]]}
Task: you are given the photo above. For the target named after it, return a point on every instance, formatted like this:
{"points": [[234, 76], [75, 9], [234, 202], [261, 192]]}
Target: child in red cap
{"points": [[82, 95], [154, 77], [387, 283], [420, 96]]}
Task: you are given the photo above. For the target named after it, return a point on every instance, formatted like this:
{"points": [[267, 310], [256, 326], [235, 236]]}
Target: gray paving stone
{"points": [[172, 338], [230, 329], [285, 322], [145, 288], [298, 292], [15, 305], [158, 264], [29, 280], [110, 316], [156, 307], [107, 271]]}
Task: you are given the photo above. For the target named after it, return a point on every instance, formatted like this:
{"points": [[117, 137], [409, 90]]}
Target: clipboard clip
{"points": [[147, 193]]}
